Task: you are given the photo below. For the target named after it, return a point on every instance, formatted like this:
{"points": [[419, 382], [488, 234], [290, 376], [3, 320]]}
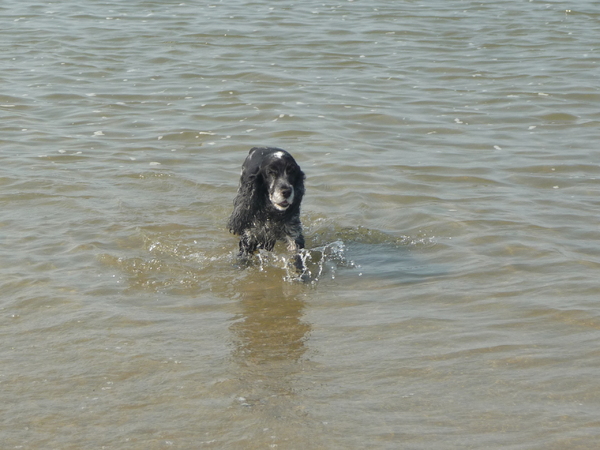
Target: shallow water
{"points": [[451, 219]]}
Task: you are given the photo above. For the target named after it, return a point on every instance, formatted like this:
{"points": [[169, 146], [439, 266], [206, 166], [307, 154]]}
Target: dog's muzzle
{"points": [[282, 197]]}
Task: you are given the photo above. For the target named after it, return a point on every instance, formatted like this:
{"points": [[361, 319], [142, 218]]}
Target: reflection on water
{"points": [[269, 336], [269, 333]]}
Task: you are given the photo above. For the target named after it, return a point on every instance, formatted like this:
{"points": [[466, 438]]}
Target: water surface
{"points": [[451, 216]]}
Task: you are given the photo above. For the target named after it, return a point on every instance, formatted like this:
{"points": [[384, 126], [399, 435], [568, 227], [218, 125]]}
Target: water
{"points": [[451, 219]]}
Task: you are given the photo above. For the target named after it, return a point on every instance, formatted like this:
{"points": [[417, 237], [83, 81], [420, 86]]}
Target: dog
{"points": [[266, 208]]}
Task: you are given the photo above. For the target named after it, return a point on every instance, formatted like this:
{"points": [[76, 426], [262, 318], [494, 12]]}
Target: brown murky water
{"points": [[451, 217]]}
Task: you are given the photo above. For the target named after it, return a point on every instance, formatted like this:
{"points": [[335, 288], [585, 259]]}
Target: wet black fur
{"points": [[255, 219]]}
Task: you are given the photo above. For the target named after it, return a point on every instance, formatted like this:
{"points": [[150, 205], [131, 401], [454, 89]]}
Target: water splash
{"points": [[310, 265], [318, 262]]}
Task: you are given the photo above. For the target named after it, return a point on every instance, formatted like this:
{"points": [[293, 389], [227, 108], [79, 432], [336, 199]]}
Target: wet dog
{"points": [[267, 206]]}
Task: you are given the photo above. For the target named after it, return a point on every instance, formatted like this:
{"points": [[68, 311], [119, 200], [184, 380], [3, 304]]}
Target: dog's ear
{"points": [[249, 175], [248, 201], [252, 164]]}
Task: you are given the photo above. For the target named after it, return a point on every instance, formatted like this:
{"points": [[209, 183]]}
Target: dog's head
{"points": [[278, 173]]}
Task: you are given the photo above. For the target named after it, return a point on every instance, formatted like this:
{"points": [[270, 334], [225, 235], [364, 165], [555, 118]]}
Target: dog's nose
{"points": [[286, 191]]}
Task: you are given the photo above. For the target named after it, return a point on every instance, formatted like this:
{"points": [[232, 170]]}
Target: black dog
{"points": [[267, 205]]}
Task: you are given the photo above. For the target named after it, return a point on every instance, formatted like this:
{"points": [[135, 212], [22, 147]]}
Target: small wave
{"points": [[171, 263], [333, 250], [321, 232]]}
